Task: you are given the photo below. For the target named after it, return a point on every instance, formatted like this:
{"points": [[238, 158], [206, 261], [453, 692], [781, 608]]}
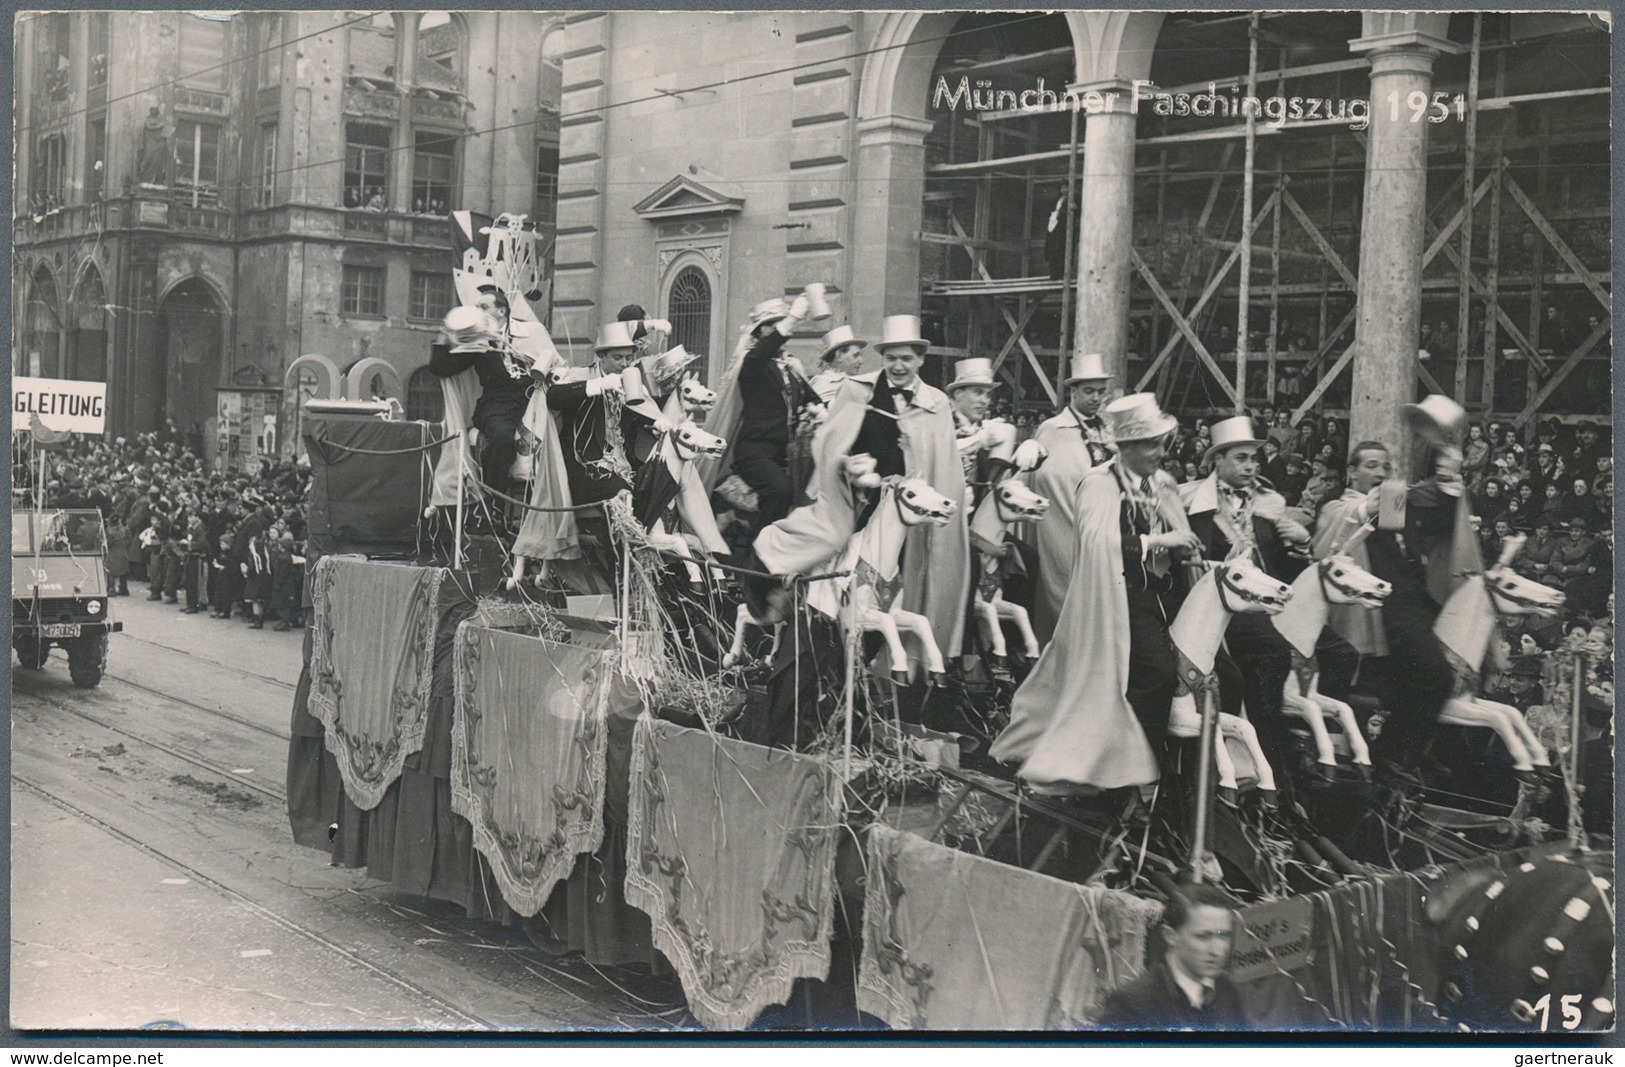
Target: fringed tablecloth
{"points": [[528, 747], [731, 853], [371, 665], [953, 941]]}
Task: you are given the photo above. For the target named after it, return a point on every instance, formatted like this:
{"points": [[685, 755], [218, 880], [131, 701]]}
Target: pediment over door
{"points": [[684, 197]]}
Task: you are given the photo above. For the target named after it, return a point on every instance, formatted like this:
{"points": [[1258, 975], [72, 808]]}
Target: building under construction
{"points": [[1426, 192]]}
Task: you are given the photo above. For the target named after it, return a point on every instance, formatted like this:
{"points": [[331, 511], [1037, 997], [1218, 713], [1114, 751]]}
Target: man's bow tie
{"points": [[905, 394]]}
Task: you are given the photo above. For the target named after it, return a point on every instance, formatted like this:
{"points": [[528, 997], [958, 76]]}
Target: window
{"points": [[689, 309], [266, 190], [440, 51], [95, 155], [432, 294], [51, 55], [424, 400], [197, 158], [268, 52], [50, 163], [545, 209], [372, 49], [434, 172], [203, 52], [363, 291], [98, 49], [366, 165]]}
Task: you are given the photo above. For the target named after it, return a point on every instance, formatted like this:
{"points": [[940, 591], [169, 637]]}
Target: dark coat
{"points": [[584, 432], [1154, 1001]]}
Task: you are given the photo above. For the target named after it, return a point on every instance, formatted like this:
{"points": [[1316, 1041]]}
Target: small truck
{"points": [[59, 590]]}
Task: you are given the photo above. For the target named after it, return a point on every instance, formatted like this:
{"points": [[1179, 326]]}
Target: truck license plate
{"points": [[60, 629]]}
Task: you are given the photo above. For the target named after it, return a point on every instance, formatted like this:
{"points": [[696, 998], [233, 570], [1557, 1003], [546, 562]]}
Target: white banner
{"points": [[60, 404]]}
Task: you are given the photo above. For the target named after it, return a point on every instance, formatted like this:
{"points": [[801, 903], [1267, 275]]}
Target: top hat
{"points": [[971, 372], [1089, 367], [1137, 417], [468, 326], [839, 337], [1438, 420], [614, 335], [1228, 433], [671, 362], [769, 311], [900, 330]]}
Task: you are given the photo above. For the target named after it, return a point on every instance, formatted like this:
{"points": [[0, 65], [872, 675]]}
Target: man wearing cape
{"points": [[1093, 713], [936, 560]]}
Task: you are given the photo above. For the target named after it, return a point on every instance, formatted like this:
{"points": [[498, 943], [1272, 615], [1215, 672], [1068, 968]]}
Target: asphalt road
{"points": [[155, 881]]}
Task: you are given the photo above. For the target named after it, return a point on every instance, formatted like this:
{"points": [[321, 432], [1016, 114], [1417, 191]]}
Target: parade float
{"points": [[637, 771]]}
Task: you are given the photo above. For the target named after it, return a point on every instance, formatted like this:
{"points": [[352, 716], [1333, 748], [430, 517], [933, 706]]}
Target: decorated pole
{"points": [[1204, 781]]}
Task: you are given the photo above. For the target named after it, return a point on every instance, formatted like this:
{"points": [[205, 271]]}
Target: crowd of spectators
{"points": [[229, 542]]}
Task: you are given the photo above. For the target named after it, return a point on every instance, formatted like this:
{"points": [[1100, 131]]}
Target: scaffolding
{"points": [[1517, 223]]}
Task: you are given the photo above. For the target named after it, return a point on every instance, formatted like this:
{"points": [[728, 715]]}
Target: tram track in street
{"points": [[195, 759], [387, 974], [205, 660]]}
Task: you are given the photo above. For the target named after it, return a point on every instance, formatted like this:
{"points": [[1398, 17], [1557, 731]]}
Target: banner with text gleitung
{"points": [[59, 404]]}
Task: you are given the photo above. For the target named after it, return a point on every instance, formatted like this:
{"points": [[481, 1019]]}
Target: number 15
{"points": [[1571, 1011]]}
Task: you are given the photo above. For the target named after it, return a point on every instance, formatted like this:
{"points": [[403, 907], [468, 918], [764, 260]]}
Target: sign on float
{"points": [[60, 404]]}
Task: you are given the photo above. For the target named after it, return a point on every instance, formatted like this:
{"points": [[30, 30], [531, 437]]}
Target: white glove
{"points": [[1029, 455], [800, 307], [861, 471], [609, 383], [657, 325]]}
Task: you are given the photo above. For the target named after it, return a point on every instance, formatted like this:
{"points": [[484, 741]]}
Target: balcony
{"points": [[202, 100], [371, 103], [369, 224]]}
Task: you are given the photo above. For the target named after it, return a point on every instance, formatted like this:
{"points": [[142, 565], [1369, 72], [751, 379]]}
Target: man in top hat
{"points": [[1094, 711], [1077, 441], [1423, 556], [842, 358], [647, 384], [588, 403], [1232, 510], [477, 337], [986, 445], [906, 428], [773, 394]]}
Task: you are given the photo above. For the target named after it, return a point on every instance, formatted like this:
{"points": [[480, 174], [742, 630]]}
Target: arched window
{"points": [[87, 333], [689, 309], [440, 51], [424, 400], [42, 328]]}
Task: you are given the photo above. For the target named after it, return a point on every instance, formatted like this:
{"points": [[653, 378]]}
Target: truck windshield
{"points": [[57, 533]]}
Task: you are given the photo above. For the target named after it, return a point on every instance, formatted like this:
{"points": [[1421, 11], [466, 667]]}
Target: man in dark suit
{"points": [[1186, 987], [1233, 510]]}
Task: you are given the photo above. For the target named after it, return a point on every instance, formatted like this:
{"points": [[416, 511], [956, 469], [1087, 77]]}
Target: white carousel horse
{"points": [[693, 399], [1337, 579], [1464, 628], [1008, 502], [860, 473], [673, 501], [1228, 588], [866, 595]]}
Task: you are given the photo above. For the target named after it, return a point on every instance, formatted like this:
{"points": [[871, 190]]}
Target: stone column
{"points": [[1402, 48], [889, 213], [1105, 220]]}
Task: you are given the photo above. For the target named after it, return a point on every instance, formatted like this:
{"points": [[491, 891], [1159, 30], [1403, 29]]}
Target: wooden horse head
{"points": [[1513, 594], [1016, 502], [918, 504], [695, 398], [689, 441], [1244, 589], [1343, 581]]}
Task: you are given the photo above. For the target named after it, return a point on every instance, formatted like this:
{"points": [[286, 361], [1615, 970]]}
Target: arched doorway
{"points": [[42, 328], [688, 308], [87, 331], [190, 343]]}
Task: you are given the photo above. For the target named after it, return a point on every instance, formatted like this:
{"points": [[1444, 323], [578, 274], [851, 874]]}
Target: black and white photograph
{"points": [[1085, 524]]}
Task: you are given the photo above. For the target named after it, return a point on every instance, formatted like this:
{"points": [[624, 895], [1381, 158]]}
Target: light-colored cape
{"points": [[1359, 626], [1070, 722], [936, 560], [1058, 478]]}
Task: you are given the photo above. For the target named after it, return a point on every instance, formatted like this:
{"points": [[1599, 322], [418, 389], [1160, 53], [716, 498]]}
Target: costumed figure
{"points": [[650, 382], [1368, 467], [1094, 712], [1076, 441], [1423, 547], [587, 404], [1232, 511], [902, 426], [842, 358], [986, 446]]}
